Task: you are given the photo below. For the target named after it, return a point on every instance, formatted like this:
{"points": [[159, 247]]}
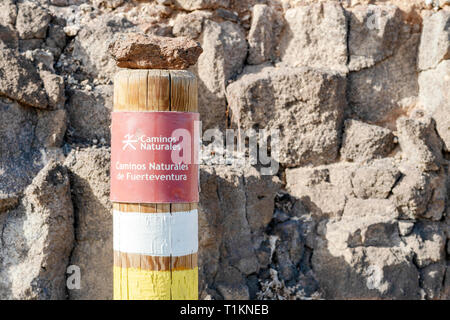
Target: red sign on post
{"points": [[154, 157]]}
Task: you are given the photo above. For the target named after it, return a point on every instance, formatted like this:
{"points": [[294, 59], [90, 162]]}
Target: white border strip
{"points": [[156, 234]]}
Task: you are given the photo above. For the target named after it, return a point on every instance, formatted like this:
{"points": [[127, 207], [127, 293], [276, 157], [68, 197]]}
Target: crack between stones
{"points": [[75, 240], [435, 67], [2, 241], [219, 262], [244, 182], [396, 183]]}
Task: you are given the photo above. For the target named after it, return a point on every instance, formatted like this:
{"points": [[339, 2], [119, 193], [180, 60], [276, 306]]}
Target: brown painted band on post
{"points": [[155, 263], [154, 207]]}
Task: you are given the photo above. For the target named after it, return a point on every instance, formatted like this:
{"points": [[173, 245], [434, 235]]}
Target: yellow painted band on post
{"points": [[138, 284]]}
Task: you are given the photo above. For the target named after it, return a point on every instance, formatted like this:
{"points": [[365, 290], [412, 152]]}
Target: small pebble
{"points": [[71, 31], [405, 227]]}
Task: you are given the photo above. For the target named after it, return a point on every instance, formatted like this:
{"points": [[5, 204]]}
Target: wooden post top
{"points": [[155, 90]]}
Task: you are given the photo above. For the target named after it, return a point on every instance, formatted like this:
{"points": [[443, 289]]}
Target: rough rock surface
{"points": [[435, 98], [89, 113], [325, 189], [139, 51], [32, 20], [20, 81], [362, 141], [262, 34], [435, 40], [54, 87], [420, 194], [360, 233], [235, 206], [90, 49], [389, 88], [367, 272], [224, 53], [8, 12], [373, 34], [190, 25], [93, 251], [419, 142], [434, 78], [270, 97], [29, 138], [315, 36], [37, 238]]}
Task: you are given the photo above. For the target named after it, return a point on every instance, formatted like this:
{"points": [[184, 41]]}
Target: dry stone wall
{"points": [[358, 90]]}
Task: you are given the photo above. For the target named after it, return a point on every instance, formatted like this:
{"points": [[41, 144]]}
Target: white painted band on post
{"points": [[156, 234]]}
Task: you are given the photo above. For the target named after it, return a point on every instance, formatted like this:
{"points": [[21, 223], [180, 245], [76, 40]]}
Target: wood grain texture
{"points": [[153, 207], [161, 234], [155, 263], [139, 284], [155, 90]]}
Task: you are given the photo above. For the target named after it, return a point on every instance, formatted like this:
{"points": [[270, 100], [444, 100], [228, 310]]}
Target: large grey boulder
{"points": [[32, 20], [54, 88], [373, 34], [29, 138], [434, 64], [362, 272], [315, 35], [427, 241], [419, 142], [263, 33], [366, 222], [313, 187], [8, 12], [93, 252], [19, 79], [434, 98], [306, 105], [363, 255], [90, 46], [435, 40], [370, 241], [89, 113], [325, 190], [362, 141], [224, 52], [420, 194], [381, 93], [433, 281], [235, 206], [374, 181], [37, 239], [190, 24]]}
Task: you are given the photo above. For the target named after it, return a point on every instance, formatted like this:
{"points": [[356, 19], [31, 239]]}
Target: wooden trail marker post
{"points": [[155, 243]]}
